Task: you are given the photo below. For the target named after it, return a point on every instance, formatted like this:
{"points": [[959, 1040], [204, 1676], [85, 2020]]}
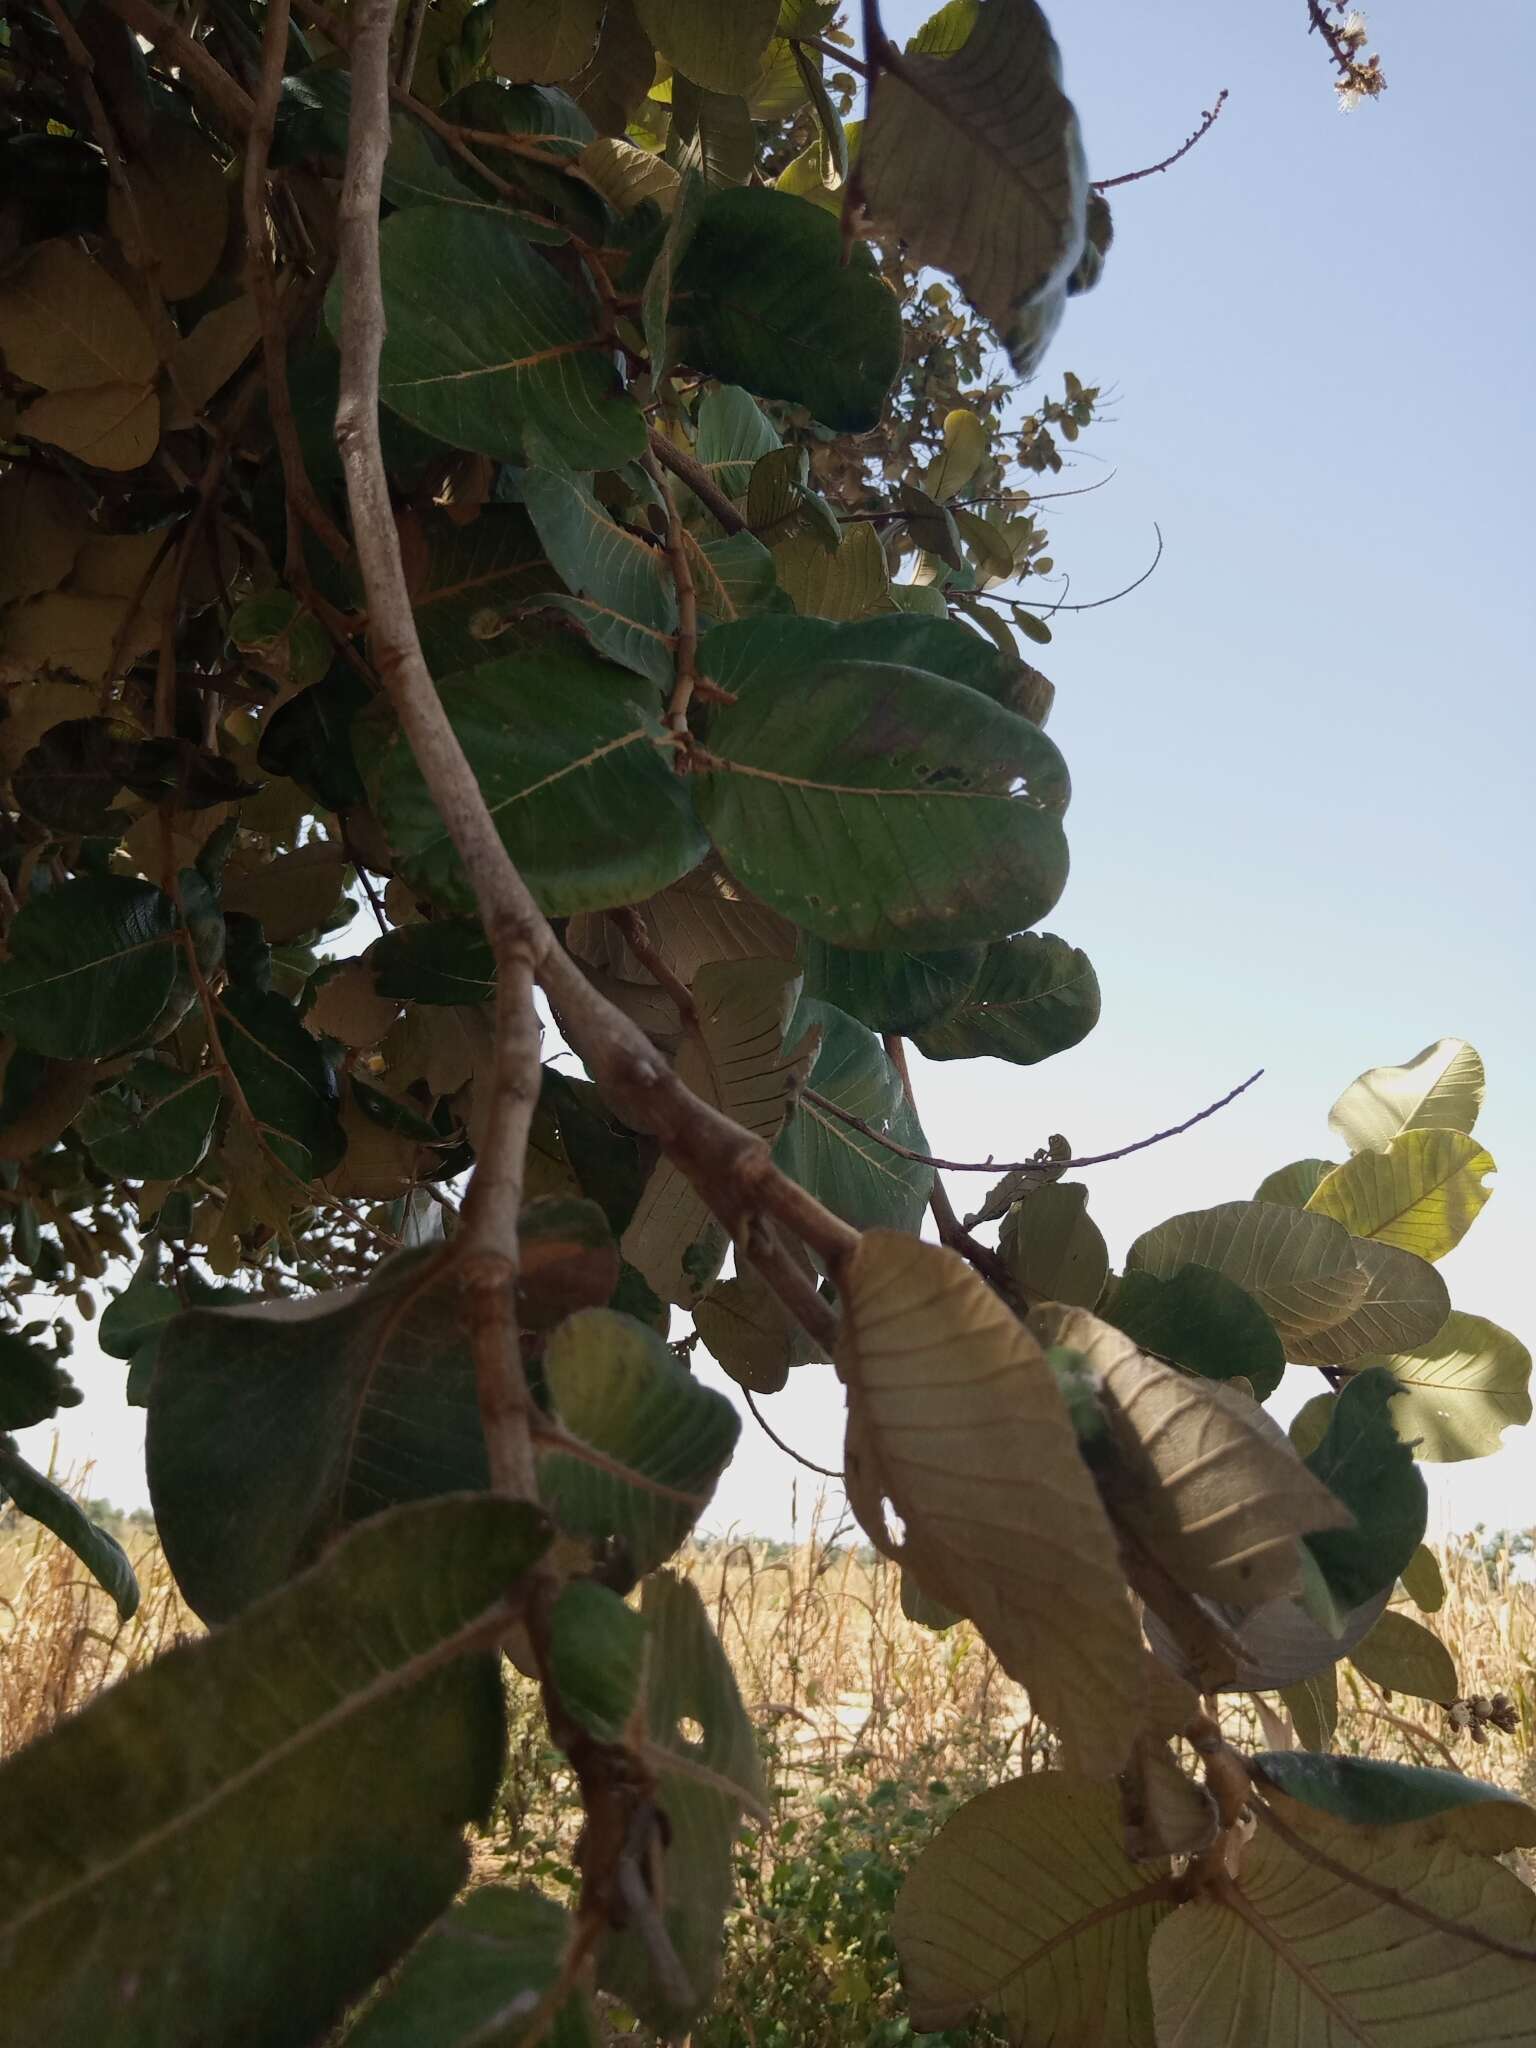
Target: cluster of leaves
{"points": [[700, 612]]}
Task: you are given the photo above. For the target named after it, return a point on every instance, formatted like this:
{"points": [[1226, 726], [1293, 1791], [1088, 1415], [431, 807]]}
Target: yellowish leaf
{"points": [[1421, 1193], [348, 1007], [209, 356], [955, 1420], [627, 175], [964, 451], [292, 896], [852, 584], [73, 631], [65, 323], [110, 426], [1440, 1088]]}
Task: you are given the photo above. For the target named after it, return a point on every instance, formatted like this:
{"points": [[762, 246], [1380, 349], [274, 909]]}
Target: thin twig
{"points": [[788, 1450], [687, 644], [410, 42], [1056, 1167], [1208, 121], [699, 481], [302, 506], [1024, 604]]}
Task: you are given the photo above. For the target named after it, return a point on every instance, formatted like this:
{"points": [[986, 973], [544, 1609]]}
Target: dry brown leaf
{"points": [[110, 426], [209, 356], [349, 1007], [42, 528], [292, 895], [65, 323], [1167, 1812], [52, 1103], [955, 1420], [1204, 1479], [71, 630]]}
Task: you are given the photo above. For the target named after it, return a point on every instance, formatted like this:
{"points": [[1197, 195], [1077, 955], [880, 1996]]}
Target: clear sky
{"points": [[1302, 752]]}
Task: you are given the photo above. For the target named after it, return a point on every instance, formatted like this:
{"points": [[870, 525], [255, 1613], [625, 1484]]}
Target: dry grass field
{"points": [[873, 1728]]}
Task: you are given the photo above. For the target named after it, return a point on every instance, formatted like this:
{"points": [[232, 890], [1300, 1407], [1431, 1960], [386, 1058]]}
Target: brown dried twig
{"points": [[1208, 121]]}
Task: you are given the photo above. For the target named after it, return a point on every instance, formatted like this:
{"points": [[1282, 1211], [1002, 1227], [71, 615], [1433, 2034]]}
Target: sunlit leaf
{"points": [[1440, 1088], [1300, 1268], [1421, 1192], [1461, 1391]]}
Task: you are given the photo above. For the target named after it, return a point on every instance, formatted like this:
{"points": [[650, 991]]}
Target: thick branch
{"points": [[196, 63], [699, 481]]}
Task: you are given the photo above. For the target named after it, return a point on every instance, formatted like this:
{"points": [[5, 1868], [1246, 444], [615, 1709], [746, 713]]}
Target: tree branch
{"points": [[698, 479], [686, 649], [1057, 1167], [1208, 121], [197, 64]]}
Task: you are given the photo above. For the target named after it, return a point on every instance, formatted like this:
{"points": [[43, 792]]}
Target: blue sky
{"points": [[1301, 751]]}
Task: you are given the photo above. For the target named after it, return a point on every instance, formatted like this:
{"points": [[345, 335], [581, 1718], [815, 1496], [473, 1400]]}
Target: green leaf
{"points": [[660, 1440], [719, 48], [597, 1651], [309, 737], [742, 657], [853, 1174], [656, 299], [1034, 997], [711, 138], [476, 577], [153, 1124], [103, 1557], [1463, 1390], [891, 991], [1201, 1320], [94, 967], [571, 764], [736, 1058], [629, 601], [1402, 1655], [1364, 1461], [730, 434], [479, 1972], [881, 806], [284, 1079], [1026, 1904], [1406, 1302], [1313, 1705], [33, 1385], [973, 158], [1423, 1580], [1364, 1792], [701, 1745], [479, 369], [764, 300], [1421, 1193], [1300, 1268], [173, 1804], [1440, 1088], [1053, 1247], [1294, 1186], [273, 1426], [1343, 1961], [446, 961]]}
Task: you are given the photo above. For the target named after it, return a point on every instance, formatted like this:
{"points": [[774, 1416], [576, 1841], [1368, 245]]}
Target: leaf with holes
{"points": [[569, 755], [648, 1442], [950, 1401], [165, 1805], [882, 806], [1461, 1391], [1420, 1193], [1026, 1904]]}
